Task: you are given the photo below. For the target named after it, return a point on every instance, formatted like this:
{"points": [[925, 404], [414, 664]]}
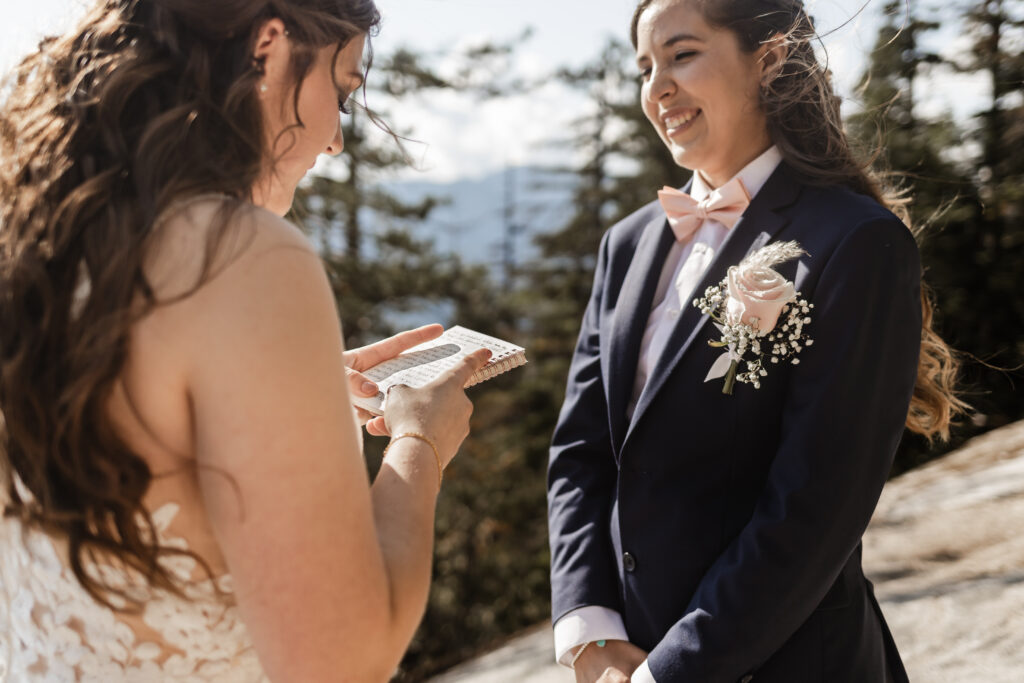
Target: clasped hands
{"points": [[613, 663]]}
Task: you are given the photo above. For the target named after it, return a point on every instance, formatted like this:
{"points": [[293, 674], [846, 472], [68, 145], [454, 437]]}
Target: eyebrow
{"points": [[678, 38]]}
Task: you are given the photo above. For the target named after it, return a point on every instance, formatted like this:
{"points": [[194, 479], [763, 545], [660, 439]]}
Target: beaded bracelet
{"points": [[579, 652], [425, 439]]}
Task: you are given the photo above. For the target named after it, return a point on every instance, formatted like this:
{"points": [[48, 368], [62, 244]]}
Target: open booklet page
{"points": [[422, 364]]}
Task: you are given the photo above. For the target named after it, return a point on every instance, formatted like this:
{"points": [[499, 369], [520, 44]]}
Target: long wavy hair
{"points": [[805, 123], [144, 104]]}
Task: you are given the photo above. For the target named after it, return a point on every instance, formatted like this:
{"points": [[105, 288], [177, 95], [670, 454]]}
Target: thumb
{"points": [[359, 384], [470, 364]]}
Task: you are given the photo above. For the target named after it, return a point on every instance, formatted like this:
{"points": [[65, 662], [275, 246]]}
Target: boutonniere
{"points": [[759, 314]]}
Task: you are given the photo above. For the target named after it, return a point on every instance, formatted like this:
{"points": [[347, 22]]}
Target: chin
{"points": [[685, 159], [696, 156]]}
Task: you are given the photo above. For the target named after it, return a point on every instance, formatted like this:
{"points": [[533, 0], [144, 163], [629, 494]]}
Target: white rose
{"points": [[757, 296]]}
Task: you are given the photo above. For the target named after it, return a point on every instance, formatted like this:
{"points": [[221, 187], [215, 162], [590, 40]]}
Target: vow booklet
{"points": [[422, 364]]}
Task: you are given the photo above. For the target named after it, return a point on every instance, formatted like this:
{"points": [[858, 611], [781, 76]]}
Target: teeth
{"points": [[676, 121]]}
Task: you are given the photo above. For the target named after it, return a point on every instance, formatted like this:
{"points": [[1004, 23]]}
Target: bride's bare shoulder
{"points": [[199, 240], [216, 268]]}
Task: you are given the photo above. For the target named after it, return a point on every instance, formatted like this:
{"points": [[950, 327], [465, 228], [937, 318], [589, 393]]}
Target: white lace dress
{"points": [[52, 631]]}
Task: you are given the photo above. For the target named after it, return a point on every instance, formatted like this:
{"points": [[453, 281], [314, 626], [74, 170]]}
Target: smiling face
{"points": [[333, 76], [700, 90]]}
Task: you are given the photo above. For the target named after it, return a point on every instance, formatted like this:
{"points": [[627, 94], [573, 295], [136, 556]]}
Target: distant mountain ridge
{"points": [[473, 223]]}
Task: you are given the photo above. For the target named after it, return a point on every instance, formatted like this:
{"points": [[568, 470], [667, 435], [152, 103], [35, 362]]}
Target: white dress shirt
{"points": [[684, 268]]}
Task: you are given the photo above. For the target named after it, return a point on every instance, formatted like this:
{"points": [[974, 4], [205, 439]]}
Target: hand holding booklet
{"points": [[422, 364]]}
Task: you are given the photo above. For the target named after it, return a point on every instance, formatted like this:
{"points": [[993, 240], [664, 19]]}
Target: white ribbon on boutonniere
{"points": [[721, 365], [747, 308]]}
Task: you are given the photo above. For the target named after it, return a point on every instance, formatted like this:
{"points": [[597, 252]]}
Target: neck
{"points": [[269, 195], [716, 179]]}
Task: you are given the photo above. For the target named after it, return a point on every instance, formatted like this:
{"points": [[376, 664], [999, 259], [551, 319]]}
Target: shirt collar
{"points": [[754, 175]]}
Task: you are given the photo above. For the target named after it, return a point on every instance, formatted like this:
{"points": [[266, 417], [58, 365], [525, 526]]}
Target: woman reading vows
{"points": [[185, 496], [753, 348]]}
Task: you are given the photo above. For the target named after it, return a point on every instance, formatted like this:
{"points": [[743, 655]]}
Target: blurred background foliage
{"points": [[964, 178]]}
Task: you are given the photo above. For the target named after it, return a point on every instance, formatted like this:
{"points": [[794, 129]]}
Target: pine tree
{"points": [[979, 268], [970, 251], [378, 267], [909, 149], [997, 29]]}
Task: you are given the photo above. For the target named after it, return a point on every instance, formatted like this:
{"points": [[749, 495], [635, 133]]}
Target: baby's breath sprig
{"points": [[748, 345]]}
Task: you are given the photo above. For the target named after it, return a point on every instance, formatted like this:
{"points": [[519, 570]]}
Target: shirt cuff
{"points": [[585, 625], [642, 674]]}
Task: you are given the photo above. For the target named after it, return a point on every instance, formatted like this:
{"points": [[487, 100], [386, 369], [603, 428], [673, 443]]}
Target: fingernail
{"points": [[369, 388]]}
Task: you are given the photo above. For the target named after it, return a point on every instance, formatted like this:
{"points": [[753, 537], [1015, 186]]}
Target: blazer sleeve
{"points": [[845, 413], [582, 475]]}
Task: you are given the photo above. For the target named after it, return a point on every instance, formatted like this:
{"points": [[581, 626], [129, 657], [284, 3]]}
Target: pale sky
{"points": [[465, 138]]}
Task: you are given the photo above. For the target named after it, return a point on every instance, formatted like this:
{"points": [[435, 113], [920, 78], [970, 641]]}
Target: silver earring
{"points": [[263, 87]]}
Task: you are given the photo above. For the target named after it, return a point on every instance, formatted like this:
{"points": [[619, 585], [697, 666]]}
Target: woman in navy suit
{"points": [[705, 536]]}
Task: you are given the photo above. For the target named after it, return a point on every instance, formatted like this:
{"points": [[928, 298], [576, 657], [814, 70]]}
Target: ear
{"points": [[772, 57], [272, 51]]}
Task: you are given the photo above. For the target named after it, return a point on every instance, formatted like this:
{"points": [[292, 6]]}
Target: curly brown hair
{"points": [[144, 104], [805, 123]]}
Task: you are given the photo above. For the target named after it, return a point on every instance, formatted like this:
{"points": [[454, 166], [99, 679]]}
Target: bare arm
{"points": [[331, 576]]}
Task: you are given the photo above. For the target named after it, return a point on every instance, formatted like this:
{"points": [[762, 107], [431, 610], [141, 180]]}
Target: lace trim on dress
{"points": [[51, 630]]}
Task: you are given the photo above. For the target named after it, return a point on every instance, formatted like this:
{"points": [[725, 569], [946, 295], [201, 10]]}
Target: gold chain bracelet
{"points": [[425, 439], [579, 652]]}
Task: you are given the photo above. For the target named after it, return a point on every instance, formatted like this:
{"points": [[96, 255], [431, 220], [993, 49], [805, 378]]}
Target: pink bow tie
{"points": [[686, 214]]}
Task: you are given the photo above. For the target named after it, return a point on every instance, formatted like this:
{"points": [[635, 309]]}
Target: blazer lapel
{"points": [[632, 309], [762, 220]]}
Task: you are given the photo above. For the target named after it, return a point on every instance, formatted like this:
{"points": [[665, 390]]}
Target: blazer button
{"points": [[747, 678], [628, 562]]}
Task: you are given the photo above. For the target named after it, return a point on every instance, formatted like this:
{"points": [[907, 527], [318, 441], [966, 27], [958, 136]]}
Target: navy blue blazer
{"points": [[727, 529]]}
